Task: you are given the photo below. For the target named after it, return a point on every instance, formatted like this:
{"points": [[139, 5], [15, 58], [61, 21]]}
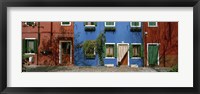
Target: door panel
{"points": [[122, 56], [152, 55], [125, 60]]}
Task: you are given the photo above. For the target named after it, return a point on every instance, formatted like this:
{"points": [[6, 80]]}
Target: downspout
{"points": [[38, 44], [51, 33]]}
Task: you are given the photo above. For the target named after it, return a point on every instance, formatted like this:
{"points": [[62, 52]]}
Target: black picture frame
{"points": [[100, 3]]}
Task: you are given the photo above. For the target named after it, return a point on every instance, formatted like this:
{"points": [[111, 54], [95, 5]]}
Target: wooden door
{"points": [[152, 55], [122, 54], [125, 59]]}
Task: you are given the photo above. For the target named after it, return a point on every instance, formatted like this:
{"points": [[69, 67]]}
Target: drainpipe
{"points": [[38, 40], [51, 33]]}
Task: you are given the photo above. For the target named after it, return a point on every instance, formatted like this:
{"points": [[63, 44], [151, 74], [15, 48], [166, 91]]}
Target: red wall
{"points": [[49, 34], [166, 34]]}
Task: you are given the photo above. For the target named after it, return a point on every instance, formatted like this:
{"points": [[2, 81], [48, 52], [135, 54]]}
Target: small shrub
{"points": [[174, 68]]}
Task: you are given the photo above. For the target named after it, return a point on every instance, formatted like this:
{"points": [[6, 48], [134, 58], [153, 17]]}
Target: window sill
{"points": [[109, 57], [89, 25], [135, 57], [152, 26], [29, 53]]}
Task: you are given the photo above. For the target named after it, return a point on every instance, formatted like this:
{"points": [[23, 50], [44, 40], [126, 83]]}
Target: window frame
{"points": [[133, 57], [154, 25], [90, 25], [109, 25], [61, 23], [27, 24], [113, 57], [135, 26], [34, 39]]}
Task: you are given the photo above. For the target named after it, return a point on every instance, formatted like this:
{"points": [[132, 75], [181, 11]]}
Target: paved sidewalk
{"points": [[88, 69]]}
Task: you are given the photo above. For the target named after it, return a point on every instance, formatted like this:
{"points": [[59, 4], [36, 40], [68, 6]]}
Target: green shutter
{"points": [[131, 51], [35, 46], [95, 23], [115, 49], [24, 48], [142, 51], [104, 50]]}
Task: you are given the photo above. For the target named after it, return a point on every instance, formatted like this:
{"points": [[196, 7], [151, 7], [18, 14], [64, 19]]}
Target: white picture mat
{"points": [[183, 78]]}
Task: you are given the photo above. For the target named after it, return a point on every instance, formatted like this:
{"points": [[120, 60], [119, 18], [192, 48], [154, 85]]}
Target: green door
{"points": [[152, 55]]}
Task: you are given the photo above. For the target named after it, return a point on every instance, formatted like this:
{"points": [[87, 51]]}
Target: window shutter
{"points": [[142, 50], [95, 23], [104, 50], [115, 48], [24, 44], [130, 51], [35, 46]]}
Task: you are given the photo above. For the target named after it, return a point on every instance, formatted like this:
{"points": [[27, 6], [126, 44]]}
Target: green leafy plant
{"points": [[90, 28], [109, 29], [89, 48], [100, 43], [135, 29]]}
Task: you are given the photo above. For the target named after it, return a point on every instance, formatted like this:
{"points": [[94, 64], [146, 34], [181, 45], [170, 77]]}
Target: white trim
{"points": [[29, 53], [89, 25], [154, 25], [65, 24], [147, 52], [109, 25], [128, 52], [135, 26], [136, 43], [30, 38], [113, 50], [135, 57], [59, 48]]}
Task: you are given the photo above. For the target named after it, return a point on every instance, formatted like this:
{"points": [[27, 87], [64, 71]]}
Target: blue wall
{"points": [[122, 33]]}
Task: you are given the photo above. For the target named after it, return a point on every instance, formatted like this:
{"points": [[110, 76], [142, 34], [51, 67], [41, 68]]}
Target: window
{"points": [[90, 53], [65, 23], [136, 50], [109, 50], [110, 24], [30, 23], [152, 24], [88, 24], [135, 24], [29, 46]]}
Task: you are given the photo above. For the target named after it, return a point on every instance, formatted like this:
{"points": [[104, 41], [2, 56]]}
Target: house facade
{"points": [[123, 44], [160, 43], [133, 44], [48, 43]]}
